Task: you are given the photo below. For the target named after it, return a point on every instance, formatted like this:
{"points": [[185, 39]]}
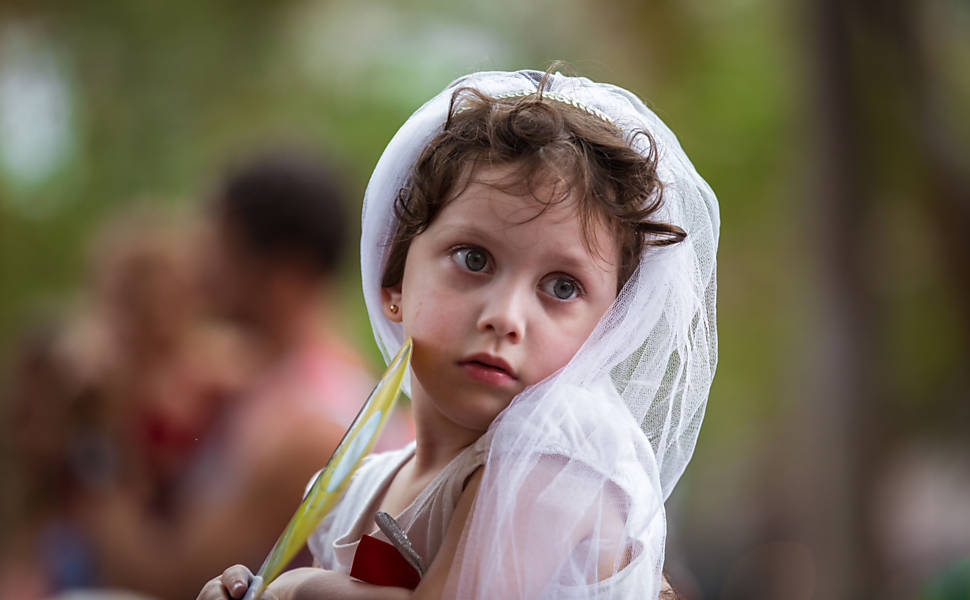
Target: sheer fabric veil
{"points": [[571, 503]]}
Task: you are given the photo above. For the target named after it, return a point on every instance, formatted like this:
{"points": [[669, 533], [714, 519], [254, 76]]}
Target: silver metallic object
{"points": [[399, 540]]}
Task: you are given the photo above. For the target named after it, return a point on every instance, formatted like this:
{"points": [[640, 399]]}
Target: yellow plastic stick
{"points": [[330, 484]]}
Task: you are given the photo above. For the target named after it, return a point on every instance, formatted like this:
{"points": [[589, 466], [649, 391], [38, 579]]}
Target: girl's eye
{"points": [[472, 259], [562, 288]]}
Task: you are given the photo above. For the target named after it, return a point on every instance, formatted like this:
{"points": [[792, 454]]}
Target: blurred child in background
{"points": [[56, 449], [110, 403], [275, 239], [171, 368]]}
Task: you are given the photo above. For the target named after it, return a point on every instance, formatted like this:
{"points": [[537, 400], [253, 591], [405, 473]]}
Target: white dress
{"points": [[334, 542], [425, 521]]}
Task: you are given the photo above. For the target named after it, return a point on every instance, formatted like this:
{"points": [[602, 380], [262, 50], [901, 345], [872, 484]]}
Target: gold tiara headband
{"points": [[562, 98]]}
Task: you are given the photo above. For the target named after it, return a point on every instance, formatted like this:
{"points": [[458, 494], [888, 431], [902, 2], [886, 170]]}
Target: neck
{"points": [[438, 440]]}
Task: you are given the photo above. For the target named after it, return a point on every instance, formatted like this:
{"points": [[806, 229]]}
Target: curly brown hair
{"points": [[545, 140]]}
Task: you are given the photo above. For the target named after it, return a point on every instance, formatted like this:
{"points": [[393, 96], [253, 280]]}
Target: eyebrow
{"points": [[464, 229]]}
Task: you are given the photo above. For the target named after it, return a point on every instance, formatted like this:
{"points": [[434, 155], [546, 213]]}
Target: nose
{"points": [[504, 312]]}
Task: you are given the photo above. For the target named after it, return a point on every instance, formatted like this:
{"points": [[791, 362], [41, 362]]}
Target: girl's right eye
{"points": [[470, 259]]}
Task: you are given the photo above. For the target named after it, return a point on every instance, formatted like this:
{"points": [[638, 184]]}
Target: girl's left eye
{"points": [[562, 288]]}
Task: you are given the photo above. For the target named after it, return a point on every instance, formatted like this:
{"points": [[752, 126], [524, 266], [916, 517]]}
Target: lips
{"points": [[488, 369]]}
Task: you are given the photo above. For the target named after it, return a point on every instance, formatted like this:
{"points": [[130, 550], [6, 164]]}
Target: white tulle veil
{"points": [[571, 499]]}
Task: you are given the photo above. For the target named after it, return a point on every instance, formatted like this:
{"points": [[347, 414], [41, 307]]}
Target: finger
{"points": [[236, 580], [212, 590]]}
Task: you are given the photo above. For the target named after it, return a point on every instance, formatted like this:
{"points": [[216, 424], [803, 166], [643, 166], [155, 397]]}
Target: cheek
{"points": [[562, 343], [435, 327], [433, 318], [434, 311], [554, 356]]}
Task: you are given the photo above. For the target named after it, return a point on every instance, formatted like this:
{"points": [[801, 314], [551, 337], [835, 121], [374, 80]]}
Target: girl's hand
{"points": [[299, 584], [231, 585]]}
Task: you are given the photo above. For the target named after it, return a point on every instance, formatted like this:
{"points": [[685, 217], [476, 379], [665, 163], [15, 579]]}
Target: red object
{"points": [[380, 563]]}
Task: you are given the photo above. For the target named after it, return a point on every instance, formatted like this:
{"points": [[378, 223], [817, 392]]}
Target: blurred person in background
{"points": [[276, 239], [172, 369], [109, 404], [56, 451]]}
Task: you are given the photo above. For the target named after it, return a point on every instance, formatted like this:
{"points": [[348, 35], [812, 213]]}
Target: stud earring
{"points": [[393, 308]]}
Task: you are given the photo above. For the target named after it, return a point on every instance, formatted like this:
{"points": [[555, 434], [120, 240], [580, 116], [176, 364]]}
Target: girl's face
{"points": [[498, 293]]}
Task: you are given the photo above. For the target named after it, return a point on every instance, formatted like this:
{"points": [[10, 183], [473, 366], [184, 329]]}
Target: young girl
{"points": [[551, 251]]}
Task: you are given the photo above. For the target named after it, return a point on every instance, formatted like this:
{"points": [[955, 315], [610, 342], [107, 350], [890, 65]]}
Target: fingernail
{"points": [[238, 587]]}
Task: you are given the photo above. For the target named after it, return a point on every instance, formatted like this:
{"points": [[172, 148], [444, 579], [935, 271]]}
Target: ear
{"points": [[392, 296]]}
